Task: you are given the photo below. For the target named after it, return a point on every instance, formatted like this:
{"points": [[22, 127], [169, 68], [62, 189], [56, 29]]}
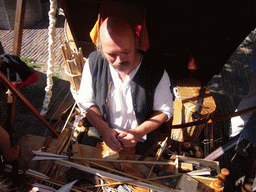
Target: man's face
{"points": [[120, 51]]}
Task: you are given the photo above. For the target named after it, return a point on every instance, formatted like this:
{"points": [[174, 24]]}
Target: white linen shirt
{"points": [[121, 112]]}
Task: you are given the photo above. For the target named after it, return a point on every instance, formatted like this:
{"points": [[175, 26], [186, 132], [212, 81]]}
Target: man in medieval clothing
{"points": [[124, 92]]}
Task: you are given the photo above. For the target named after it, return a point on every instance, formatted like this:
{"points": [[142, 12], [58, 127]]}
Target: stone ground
{"points": [[34, 46]]}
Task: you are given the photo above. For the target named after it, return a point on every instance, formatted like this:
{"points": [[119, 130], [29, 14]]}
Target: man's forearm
{"points": [[155, 121], [93, 114]]}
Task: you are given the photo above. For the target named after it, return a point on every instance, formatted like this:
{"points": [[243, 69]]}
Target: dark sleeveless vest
{"points": [[142, 86]]}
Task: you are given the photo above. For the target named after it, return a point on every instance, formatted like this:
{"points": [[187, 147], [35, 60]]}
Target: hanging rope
{"points": [[51, 59]]}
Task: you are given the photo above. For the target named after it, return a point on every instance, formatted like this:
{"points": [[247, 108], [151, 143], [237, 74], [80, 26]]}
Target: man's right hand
{"points": [[108, 134], [110, 138]]}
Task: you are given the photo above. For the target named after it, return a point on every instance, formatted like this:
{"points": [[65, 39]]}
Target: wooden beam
{"points": [[18, 26]]}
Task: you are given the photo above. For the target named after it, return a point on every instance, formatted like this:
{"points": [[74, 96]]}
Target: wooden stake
{"points": [[78, 62], [68, 50], [63, 53], [81, 58]]}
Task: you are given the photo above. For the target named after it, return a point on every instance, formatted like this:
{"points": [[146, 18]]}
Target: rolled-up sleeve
{"points": [[85, 97], [163, 98]]}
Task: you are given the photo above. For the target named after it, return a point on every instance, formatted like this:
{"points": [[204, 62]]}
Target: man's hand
{"points": [[110, 138], [128, 138], [108, 134]]}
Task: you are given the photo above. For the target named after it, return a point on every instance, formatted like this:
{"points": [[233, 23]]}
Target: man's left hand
{"points": [[128, 138]]}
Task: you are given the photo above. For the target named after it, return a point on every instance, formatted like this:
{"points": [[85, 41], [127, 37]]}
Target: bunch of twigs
{"points": [[74, 63]]}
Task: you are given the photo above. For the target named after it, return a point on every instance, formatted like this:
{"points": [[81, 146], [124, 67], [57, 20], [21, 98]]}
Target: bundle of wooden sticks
{"points": [[74, 63]]}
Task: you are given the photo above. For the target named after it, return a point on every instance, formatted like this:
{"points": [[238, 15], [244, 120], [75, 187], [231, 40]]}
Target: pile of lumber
{"points": [[49, 163], [74, 63]]}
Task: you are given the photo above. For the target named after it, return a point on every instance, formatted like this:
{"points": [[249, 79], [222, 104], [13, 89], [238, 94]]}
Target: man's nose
{"points": [[119, 59]]}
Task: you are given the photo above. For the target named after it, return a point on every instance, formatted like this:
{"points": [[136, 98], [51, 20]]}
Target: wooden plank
{"points": [[58, 147], [18, 26], [77, 153]]}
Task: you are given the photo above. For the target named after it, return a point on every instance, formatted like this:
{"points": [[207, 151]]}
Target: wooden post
{"points": [[11, 102], [17, 41], [18, 26]]}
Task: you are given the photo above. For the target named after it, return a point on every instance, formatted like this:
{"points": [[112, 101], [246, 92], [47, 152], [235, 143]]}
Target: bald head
{"points": [[116, 27], [118, 44]]}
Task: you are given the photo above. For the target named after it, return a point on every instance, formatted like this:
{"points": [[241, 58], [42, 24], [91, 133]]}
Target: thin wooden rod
{"points": [[123, 161], [15, 91]]}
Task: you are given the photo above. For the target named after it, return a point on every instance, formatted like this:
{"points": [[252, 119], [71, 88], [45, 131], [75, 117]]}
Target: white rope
{"points": [[51, 57]]}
